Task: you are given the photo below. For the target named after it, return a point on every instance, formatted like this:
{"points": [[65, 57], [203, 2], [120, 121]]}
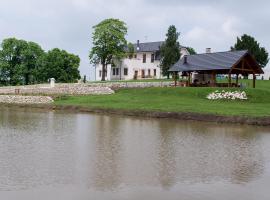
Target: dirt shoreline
{"points": [[258, 121]]}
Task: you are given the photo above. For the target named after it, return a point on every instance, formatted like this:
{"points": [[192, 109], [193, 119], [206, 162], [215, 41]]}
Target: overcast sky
{"points": [[67, 24]]}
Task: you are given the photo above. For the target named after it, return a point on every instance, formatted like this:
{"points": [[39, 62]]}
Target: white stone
{"points": [[18, 99]]}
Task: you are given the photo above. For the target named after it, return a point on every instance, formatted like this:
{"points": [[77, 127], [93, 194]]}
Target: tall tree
{"points": [[170, 50], [108, 43], [246, 42], [11, 61], [61, 65], [191, 51], [130, 50], [23, 62], [18, 61], [31, 56]]}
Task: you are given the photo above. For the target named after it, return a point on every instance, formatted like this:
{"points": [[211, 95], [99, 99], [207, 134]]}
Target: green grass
{"points": [[179, 100]]}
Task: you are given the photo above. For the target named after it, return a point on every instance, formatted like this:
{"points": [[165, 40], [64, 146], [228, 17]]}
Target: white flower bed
{"points": [[227, 95]]}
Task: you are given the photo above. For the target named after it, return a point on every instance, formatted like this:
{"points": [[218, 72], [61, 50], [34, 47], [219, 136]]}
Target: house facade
{"points": [[143, 64]]}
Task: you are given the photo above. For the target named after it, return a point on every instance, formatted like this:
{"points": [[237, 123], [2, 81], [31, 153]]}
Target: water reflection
{"points": [[107, 153]]}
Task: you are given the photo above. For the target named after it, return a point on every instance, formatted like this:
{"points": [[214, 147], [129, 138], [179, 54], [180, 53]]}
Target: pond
{"points": [[59, 155]]}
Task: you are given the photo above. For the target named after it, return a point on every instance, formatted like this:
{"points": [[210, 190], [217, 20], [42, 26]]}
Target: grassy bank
{"points": [[178, 100]]}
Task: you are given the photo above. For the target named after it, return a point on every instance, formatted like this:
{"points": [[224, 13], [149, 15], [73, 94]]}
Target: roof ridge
{"points": [[149, 42], [218, 52]]}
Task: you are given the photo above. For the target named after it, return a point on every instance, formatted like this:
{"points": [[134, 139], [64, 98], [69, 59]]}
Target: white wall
{"points": [[266, 74], [133, 65]]}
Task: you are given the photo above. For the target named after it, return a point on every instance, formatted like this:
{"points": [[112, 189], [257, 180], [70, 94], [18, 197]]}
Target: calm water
{"points": [[55, 156]]}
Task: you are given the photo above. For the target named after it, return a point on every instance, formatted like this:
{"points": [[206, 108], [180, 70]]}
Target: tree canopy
{"points": [[23, 62], [246, 42], [170, 50], [130, 50], [60, 65], [109, 43], [32, 54], [12, 58], [191, 51]]}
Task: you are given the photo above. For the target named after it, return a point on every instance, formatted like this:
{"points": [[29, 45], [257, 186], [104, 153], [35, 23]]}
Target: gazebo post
{"points": [[175, 81], [254, 81], [189, 75], [237, 76], [213, 79], [230, 79]]}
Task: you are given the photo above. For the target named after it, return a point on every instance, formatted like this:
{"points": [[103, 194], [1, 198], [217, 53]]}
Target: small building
{"points": [[202, 69], [143, 64]]}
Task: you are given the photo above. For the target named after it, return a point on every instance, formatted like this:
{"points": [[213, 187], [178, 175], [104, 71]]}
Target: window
{"points": [[144, 58], [100, 73], [125, 71], [149, 72], [143, 73], [155, 72], [135, 56], [115, 71], [152, 57]]}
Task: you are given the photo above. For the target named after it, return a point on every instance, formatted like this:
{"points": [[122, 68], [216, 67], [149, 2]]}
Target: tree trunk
{"points": [[26, 79], [103, 72]]}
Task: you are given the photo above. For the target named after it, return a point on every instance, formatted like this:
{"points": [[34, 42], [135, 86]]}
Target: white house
{"points": [[144, 64]]}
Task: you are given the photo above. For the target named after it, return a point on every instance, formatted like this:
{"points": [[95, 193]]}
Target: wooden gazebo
{"points": [[226, 63]]}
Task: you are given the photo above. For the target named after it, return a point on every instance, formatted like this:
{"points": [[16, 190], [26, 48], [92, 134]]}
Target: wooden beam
{"points": [[243, 62], [244, 70], [235, 64], [251, 68]]}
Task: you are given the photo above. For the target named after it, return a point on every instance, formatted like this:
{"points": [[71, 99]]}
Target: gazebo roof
{"points": [[240, 61]]}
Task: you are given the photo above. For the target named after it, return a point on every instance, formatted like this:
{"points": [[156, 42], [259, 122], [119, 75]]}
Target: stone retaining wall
{"points": [[69, 89], [79, 89], [133, 84], [17, 99]]}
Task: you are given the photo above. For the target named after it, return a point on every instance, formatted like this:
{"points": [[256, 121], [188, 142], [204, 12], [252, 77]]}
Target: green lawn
{"points": [[179, 100]]}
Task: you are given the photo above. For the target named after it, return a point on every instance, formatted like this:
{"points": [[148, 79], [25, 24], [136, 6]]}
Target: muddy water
{"points": [[55, 156]]}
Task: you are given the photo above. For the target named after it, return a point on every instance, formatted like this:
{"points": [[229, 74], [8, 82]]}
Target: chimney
{"points": [[185, 59], [208, 50], [138, 45]]}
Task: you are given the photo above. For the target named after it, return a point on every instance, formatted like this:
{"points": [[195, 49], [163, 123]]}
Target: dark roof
{"points": [[209, 61], [148, 46]]}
